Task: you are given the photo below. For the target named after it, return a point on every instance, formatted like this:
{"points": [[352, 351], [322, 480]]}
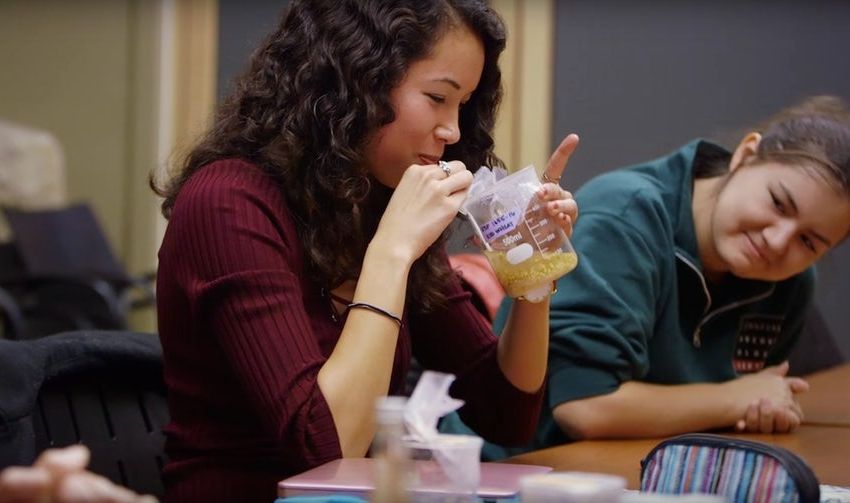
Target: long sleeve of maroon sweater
{"points": [[245, 332]]}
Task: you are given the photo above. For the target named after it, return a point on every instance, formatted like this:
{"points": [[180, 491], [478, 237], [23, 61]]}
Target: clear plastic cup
{"points": [[448, 468], [526, 247]]}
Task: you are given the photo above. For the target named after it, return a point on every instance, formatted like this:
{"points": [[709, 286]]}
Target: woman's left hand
{"points": [[559, 202]]}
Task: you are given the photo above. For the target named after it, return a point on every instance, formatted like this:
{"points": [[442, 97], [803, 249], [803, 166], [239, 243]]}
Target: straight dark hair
{"points": [[814, 134]]}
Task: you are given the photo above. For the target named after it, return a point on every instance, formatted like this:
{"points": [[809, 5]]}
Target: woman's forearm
{"points": [[360, 366], [639, 409], [642, 410], [524, 344]]}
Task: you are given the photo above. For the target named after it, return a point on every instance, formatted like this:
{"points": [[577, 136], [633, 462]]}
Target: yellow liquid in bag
{"points": [[539, 269]]}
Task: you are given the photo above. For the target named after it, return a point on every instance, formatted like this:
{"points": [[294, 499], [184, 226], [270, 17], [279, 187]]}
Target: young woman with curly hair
{"points": [[304, 260]]}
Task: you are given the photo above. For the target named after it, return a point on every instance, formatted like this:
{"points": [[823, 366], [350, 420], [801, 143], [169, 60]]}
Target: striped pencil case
{"points": [[740, 470]]}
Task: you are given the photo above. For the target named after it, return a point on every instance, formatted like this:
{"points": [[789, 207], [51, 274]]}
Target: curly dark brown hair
{"points": [[315, 90]]}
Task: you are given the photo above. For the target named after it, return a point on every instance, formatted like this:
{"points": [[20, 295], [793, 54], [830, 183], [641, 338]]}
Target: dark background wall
{"points": [[242, 26], [638, 78]]}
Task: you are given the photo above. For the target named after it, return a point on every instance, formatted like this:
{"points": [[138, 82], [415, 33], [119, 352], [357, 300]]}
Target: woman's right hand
{"points": [[422, 206]]}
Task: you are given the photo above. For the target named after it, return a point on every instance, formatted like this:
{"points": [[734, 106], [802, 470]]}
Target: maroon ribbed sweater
{"points": [[244, 333]]}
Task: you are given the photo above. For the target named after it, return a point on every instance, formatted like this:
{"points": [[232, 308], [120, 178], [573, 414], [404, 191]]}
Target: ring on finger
{"points": [[547, 178], [445, 167]]}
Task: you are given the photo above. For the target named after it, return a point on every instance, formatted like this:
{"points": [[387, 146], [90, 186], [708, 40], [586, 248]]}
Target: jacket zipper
{"points": [[697, 335], [727, 307]]}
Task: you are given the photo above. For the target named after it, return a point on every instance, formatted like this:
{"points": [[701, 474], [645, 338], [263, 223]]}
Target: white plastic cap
{"points": [[573, 487], [390, 409]]}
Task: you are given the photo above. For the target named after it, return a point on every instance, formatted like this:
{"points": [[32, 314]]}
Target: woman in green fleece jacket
{"points": [[695, 271]]}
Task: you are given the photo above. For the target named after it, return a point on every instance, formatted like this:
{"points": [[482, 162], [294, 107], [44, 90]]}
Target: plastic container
{"points": [[448, 469], [526, 247], [393, 465]]}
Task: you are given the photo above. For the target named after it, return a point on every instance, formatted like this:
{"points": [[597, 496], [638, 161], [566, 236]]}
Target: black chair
{"points": [[62, 273], [103, 389], [11, 317]]}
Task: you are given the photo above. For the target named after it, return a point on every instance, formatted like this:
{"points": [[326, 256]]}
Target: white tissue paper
{"points": [[429, 402], [457, 455]]}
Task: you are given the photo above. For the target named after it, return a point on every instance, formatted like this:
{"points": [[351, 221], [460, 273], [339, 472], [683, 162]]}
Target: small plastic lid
{"points": [[539, 293], [572, 486], [390, 409]]}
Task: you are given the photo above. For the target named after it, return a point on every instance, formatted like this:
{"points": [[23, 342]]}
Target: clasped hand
{"points": [[770, 395]]}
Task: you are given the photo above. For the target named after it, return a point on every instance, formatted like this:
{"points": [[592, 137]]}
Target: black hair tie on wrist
{"points": [[374, 309]]}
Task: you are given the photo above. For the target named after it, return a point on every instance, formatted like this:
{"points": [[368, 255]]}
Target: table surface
{"points": [[827, 402], [825, 448], [823, 440]]}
